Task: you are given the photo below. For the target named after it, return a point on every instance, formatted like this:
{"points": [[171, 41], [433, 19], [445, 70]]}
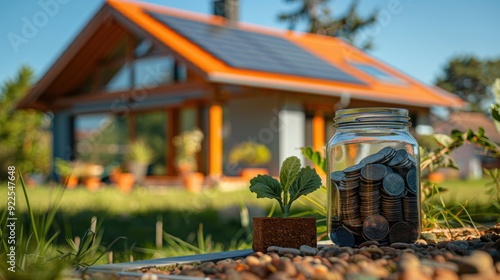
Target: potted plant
{"points": [[91, 174], [67, 173], [252, 156], [188, 145], [123, 178], [138, 156], [295, 181]]}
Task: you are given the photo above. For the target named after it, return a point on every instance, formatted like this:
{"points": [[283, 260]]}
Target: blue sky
{"points": [[414, 36]]}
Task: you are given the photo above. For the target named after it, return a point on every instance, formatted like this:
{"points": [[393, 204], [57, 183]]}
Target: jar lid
{"points": [[372, 115]]}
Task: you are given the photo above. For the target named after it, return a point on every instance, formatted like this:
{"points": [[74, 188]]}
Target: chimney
{"points": [[227, 9]]}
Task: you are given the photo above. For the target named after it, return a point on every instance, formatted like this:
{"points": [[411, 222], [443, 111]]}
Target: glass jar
{"points": [[374, 187]]}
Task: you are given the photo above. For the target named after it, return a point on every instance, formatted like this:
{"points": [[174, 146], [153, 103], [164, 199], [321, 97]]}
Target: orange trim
{"points": [[215, 141], [318, 136], [318, 132]]}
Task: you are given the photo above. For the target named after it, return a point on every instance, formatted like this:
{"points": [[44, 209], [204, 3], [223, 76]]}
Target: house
{"points": [[138, 69], [470, 158]]}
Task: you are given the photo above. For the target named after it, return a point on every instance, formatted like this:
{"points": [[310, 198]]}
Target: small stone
{"points": [[400, 245], [478, 262], [292, 251], [279, 275], [368, 243], [265, 258], [245, 275], [442, 244], [331, 251], [275, 249], [422, 242], [193, 272], [308, 250], [348, 250], [428, 236], [252, 260], [408, 262], [445, 274], [459, 246], [287, 267]]}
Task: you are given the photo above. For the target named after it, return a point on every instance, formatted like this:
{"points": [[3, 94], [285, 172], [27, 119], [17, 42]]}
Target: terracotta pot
{"points": [[70, 181], [251, 172], [92, 183], [125, 181], [283, 232], [193, 181]]}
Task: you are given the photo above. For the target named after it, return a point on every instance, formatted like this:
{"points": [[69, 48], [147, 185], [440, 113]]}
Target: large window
{"points": [[101, 138], [151, 127]]}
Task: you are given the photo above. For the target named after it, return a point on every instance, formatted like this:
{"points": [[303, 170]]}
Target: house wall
{"points": [[292, 129], [253, 118]]}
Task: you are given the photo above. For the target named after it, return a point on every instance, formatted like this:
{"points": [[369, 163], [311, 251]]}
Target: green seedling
{"points": [[294, 183]]}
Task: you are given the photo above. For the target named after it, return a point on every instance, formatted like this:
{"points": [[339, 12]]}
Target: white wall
{"points": [[292, 129]]}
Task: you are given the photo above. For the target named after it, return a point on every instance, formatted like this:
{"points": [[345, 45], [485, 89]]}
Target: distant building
{"points": [[152, 70], [470, 158]]}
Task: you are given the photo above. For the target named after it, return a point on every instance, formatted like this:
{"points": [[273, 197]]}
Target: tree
{"points": [[24, 139], [319, 20], [470, 79]]}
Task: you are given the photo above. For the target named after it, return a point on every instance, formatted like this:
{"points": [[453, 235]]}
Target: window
{"points": [[378, 73], [153, 71], [150, 127], [101, 138]]}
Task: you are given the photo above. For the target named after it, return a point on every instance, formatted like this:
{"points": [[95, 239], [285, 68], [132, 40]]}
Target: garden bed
{"points": [[469, 254]]}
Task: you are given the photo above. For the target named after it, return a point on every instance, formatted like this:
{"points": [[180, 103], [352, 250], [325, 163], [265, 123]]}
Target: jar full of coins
{"points": [[374, 178]]}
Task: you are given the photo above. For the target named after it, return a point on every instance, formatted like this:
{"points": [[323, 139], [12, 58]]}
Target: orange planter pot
{"points": [[193, 182], [70, 181], [92, 183], [251, 172], [125, 181]]}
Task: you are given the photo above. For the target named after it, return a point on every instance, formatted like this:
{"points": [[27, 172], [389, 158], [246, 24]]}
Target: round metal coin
{"points": [[373, 172], [375, 227], [375, 158], [343, 237], [412, 180], [402, 232], [393, 184]]}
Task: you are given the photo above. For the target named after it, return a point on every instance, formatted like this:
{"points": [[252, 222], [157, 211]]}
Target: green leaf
{"points": [[289, 170], [443, 140], [266, 186], [307, 182]]}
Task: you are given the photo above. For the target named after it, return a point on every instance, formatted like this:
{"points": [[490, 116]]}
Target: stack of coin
{"points": [[377, 200], [349, 198], [369, 191], [393, 189], [401, 162]]}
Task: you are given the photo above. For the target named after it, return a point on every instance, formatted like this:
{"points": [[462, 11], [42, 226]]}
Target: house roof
{"points": [[298, 62]]}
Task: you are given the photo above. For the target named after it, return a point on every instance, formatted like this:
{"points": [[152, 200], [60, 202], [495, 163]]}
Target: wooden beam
{"points": [[318, 131], [215, 141]]}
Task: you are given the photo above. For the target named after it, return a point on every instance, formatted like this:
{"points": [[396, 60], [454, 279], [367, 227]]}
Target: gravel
{"points": [[470, 258]]}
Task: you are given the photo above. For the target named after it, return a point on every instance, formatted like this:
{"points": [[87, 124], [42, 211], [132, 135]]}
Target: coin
{"points": [[353, 169], [337, 176], [388, 153], [375, 227], [375, 158], [373, 172], [343, 237], [401, 232], [393, 185], [411, 180], [400, 156]]}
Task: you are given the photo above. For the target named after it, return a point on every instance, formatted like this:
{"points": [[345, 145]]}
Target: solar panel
{"points": [[254, 51]]}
